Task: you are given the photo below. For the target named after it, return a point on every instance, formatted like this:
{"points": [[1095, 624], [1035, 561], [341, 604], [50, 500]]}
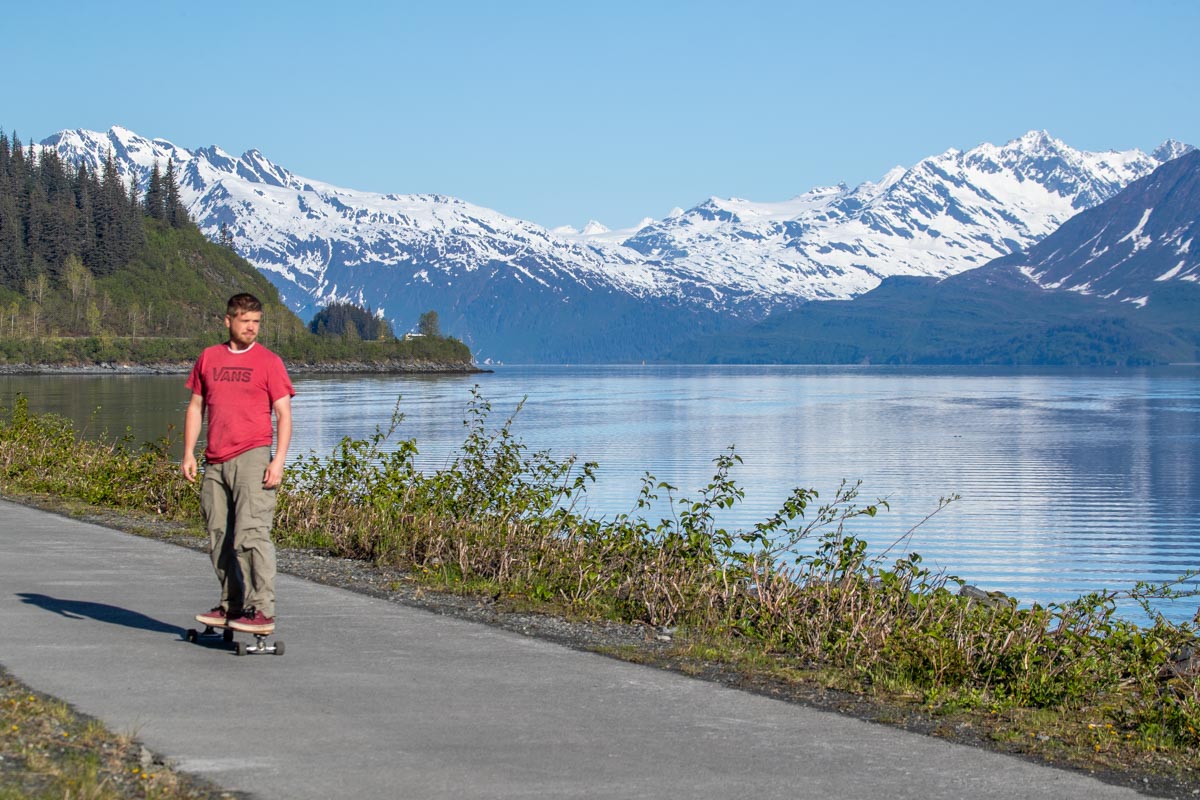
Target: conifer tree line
{"points": [[162, 197], [347, 319], [51, 210]]}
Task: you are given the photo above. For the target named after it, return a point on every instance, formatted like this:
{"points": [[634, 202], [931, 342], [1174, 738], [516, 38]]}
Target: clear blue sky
{"points": [[559, 112]]}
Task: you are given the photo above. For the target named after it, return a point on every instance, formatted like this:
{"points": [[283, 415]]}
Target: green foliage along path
{"points": [[797, 596]]}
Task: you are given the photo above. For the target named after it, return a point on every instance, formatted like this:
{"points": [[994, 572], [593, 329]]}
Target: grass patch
{"points": [[50, 752]]}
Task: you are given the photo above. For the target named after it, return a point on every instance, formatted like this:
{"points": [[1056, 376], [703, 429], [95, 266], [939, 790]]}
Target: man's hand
{"points": [[188, 467], [274, 474]]}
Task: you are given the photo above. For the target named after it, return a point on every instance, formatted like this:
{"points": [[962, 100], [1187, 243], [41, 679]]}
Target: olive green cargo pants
{"points": [[238, 513]]}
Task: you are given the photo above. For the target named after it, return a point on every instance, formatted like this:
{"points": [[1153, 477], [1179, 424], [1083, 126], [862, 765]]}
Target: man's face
{"points": [[243, 329]]}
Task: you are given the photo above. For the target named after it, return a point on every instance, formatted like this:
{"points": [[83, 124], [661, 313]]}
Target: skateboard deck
{"points": [[212, 632]]}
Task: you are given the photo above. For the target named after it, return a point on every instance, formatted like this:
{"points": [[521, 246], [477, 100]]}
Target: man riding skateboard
{"points": [[240, 384]]}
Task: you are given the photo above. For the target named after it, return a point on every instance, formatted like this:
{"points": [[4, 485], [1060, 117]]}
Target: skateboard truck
{"points": [[260, 646], [209, 632]]}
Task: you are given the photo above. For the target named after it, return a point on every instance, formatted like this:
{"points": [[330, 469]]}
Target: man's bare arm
{"points": [[283, 437], [192, 420]]}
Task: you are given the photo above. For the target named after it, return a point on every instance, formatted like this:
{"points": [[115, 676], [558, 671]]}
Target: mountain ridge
{"points": [[501, 283], [1116, 284]]}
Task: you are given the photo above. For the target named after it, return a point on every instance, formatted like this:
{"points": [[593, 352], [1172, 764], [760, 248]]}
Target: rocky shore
{"points": [[383, 368], [294, 367]]}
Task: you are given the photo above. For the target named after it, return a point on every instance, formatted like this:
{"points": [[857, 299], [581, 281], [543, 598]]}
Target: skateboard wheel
{"points": [[279, 648], [227, 635], [241, 648], [191, 635]]}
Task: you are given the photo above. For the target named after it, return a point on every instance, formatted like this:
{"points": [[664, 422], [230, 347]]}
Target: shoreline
{"points": [[294, 368]]}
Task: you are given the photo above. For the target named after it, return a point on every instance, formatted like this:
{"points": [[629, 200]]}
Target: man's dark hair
{"points": [[242, 302]]}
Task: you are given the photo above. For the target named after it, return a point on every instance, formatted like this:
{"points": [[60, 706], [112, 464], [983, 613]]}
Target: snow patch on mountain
{"points": [[1140, 240], [1172, 272]]}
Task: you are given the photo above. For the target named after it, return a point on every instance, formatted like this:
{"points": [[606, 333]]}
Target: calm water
{"points": [[1071, 481]]}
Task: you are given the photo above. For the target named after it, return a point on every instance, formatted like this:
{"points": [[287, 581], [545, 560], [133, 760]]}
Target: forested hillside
{"points": [[94, 270]]}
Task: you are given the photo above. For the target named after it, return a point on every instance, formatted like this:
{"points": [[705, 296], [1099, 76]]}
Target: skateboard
{"points": [[225, 634]]}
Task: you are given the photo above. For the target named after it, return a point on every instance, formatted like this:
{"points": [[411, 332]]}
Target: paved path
{"points": [[377, 700]]}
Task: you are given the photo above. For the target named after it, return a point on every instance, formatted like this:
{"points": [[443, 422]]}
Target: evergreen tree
{"points": [[84, 235], [33, 214], [175, 214], [45, 234], [107, 216], [17, 167], [5, 156], [13, 259], [154, 200], [170, 194]]}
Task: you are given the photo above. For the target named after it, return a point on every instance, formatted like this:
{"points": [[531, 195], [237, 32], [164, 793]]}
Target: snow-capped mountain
{"points": [[307, 233], [1134, 246], [1118, 283], [947, 214], [516, 291]]}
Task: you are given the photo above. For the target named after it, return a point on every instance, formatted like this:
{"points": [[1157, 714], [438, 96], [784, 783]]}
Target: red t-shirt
{"points": [[239, 390]]}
